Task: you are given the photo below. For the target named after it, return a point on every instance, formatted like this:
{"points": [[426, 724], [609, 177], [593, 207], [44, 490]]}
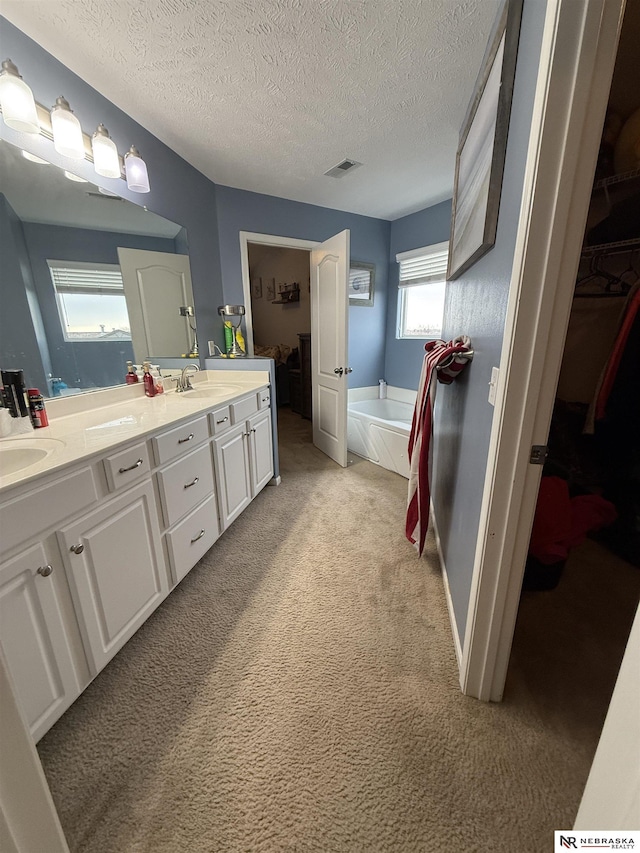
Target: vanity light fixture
{"points": [[29, 156], [67, 133], [136, 171], [76, 178], [105, 154], [17, 101]]}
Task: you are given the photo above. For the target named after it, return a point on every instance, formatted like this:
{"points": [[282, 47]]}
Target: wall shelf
{"points": [[288, 293]]}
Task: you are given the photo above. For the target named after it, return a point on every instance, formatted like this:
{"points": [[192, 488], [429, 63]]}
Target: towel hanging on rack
{"points": [[444, 361]]}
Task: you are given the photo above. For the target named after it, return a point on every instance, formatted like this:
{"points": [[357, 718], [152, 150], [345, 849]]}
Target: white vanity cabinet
{"points": [[244, 459], [34, 639], [87, 554], [116, 570]]}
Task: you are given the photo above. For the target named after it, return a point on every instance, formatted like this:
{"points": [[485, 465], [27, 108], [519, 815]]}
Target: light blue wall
{"points": [[90, 364], [476, 306], [239, 210], [178, 191], [403, 360]]}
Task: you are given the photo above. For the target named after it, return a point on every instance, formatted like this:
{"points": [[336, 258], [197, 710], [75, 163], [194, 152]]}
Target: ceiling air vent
{"points": [[342, 168]]}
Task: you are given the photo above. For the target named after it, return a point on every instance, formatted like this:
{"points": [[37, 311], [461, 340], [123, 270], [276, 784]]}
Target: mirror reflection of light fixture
{"points": [[17, 101], [67, 133], [71, 177], [105, 154], [136, 171], [187, 311], [229, 313], [32, 157]]}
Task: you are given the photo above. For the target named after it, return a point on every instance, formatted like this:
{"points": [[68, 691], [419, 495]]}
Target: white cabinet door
{"points": [[261, 451], [34, 641], [232, 473], [116, 570]]}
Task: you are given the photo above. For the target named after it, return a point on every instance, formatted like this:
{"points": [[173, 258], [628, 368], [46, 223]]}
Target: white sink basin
{"points": [[213, 390], [16, 454]]}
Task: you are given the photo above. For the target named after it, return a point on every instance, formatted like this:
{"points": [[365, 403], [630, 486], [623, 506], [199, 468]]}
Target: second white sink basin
{"points": [[16, 454]]}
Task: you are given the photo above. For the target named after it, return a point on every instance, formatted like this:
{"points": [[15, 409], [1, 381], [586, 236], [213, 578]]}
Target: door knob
{"points": [[348, 370], [77, 549], [339, 371], [45, 571]]}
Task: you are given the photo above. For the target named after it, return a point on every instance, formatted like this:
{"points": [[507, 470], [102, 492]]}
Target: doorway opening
{"points": [[580, 591]]}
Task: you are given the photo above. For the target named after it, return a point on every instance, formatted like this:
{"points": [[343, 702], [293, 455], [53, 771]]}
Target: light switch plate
{"points": [[493, 385]]}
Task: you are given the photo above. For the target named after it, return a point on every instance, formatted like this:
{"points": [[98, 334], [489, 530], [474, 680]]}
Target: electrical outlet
{"points": [[493, 385]]}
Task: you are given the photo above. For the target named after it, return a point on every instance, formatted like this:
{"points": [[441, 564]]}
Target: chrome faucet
{"points": [[184, 383]]}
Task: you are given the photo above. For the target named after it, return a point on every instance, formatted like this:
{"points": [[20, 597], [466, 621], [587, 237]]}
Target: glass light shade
{"points": [[136, 171], [29, 156], [67, 133], [76, 178], [16, 99], [105, 154]]}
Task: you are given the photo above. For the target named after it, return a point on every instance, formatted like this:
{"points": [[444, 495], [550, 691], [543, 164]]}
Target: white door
{"points": [[33, 639], [156, 286], [116, 575], [329, 326]]}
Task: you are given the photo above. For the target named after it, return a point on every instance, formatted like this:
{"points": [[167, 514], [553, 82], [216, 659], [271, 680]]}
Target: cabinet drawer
{"points": [[243, 409], [185, 484], [192, 538], [180, 440], [264, 398], [220, 420], [127, 466], [21, 518]]}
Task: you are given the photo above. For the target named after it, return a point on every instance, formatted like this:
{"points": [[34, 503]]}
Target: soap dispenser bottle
{"points": [[131, 376], [149, 385]]}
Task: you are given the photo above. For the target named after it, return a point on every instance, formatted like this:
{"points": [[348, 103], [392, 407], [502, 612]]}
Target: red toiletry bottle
{"points": [[149, 384], [131, 376], [37, 410]]}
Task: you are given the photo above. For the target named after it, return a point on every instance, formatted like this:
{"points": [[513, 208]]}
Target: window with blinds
{"points": [[91, 301], [422, 284]]}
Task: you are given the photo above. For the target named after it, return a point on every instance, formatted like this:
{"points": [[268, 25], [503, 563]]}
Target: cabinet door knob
{"points": [[131, 467], [77, 549], [188, 438], [199, 536], [45, 571], [192, 483]]}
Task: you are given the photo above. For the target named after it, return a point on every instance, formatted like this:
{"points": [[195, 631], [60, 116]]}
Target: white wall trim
{"points": [[247, 237], [576, 65], [447, 591]]}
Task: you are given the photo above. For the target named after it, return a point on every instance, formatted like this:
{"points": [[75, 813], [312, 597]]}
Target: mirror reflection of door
{"points": [[156, 286]]}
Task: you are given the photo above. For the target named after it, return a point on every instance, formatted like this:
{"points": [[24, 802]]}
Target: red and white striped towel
{"points": [[441, 361]]}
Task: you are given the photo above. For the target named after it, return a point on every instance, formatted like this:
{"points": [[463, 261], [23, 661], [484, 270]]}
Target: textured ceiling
{"points": [[266, 95]]}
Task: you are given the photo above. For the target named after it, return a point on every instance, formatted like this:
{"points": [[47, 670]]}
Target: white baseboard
{"points": [[452, 615]]}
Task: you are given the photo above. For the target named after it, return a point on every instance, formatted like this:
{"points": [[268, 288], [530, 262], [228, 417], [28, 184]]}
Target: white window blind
{"points": [[76, 277], [422, 266]]}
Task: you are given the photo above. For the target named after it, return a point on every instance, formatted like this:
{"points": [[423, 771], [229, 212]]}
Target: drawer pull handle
{"points": [[188, 438], [199, 536], [265, 399], [225, 418], [192, 483], [131, 467], [77, 549], [45, 571]]}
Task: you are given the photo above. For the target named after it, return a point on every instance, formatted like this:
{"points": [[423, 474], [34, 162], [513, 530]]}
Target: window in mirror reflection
{"points": [[91, 301]]}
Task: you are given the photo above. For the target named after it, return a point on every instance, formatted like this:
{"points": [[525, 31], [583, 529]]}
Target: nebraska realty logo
{"points": [[568, 839]]}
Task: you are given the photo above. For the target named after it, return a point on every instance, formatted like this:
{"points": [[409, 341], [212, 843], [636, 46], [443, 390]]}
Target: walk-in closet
{"points": [[582, 579]]}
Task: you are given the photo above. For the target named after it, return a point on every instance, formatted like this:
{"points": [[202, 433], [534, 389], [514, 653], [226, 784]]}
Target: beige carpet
{"points": [[299, 692]]}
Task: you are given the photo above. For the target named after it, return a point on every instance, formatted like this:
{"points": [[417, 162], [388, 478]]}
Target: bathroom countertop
{"points": [[86, 425]]}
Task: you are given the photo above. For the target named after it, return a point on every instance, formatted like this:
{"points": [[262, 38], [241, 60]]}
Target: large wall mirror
{"points": [[88, 280]]}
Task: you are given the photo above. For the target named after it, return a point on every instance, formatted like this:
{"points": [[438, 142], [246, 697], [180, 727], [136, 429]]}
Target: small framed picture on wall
{"points": [[256, 288], [271, 289]]}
